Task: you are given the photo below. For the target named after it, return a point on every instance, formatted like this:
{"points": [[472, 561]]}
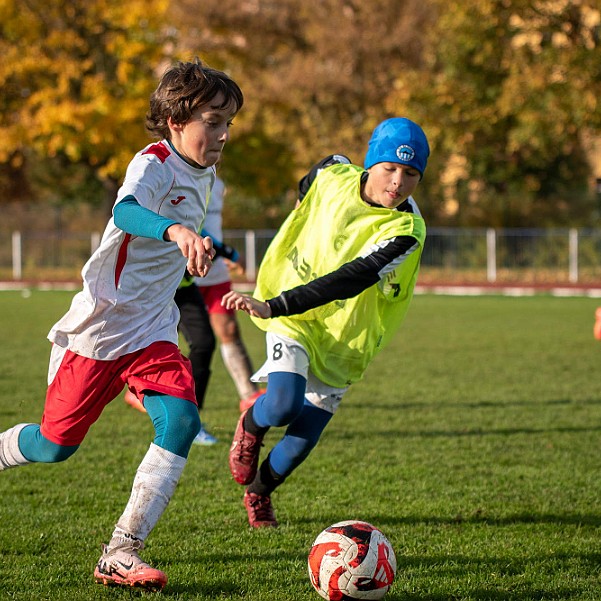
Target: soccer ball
{"points": [[351, 560]]}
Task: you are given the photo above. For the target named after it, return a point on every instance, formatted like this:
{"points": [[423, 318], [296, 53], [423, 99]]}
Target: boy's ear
{"points": [[173, 125]]}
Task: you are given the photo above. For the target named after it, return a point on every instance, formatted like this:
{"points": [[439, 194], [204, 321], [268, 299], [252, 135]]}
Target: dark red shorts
{"points": [[83, 387]]}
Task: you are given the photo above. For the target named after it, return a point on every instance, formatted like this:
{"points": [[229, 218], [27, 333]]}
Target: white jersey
{"points": [[213, 225], [129, 281]]}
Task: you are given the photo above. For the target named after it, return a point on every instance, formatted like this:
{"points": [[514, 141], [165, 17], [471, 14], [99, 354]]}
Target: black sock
{"points": [[266, 480], [251, 427]]}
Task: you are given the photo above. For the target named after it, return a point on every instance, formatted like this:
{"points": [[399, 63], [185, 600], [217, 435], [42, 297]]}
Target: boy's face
{"points": [[201, 139], [390, 184]]}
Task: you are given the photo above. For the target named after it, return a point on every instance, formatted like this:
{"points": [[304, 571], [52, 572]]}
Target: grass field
{"points": [[473, 443]]}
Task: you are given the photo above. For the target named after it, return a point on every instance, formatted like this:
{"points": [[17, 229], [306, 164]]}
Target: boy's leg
{"points": [[286, 371], [302, 435], [225, 326], [237, 362], [10, 452], [195, 325], [280, 405], [176, 424]]}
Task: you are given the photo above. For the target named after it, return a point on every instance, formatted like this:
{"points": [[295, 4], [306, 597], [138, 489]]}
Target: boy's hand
{"points": [[243, 302], [198, 250]]}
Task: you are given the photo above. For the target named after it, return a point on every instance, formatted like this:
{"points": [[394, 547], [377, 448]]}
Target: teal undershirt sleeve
{"points": [[131, 217]]}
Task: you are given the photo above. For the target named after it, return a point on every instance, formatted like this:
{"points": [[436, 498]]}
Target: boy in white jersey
{"points": [[333, 287], [121, 328]]}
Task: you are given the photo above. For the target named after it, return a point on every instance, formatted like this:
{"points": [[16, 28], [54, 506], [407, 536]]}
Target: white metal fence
{"points": [[475, 255]]}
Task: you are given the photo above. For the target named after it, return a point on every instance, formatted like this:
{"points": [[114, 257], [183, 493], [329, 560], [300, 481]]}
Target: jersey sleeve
{"points": [[147, 180], [347, 281]]}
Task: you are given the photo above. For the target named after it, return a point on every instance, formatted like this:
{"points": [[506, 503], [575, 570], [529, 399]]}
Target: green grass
{"points": [[473, 443]]}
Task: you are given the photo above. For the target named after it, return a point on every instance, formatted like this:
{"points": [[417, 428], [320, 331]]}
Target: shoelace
{"points": [[262, 509], [248, 447]]}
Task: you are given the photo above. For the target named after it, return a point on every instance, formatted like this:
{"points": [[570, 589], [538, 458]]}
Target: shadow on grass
{"points": [[444, 404], [476, 518], [396, 434], [453, 568]]}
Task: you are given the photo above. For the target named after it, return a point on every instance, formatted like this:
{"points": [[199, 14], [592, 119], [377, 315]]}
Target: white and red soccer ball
{"points": [[352, 560]]}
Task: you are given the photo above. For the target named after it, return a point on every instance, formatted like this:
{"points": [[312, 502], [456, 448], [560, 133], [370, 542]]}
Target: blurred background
{"points": [[506, 90]]}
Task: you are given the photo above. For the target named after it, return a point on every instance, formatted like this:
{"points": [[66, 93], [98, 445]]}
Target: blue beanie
{"points": [[398, 140]]}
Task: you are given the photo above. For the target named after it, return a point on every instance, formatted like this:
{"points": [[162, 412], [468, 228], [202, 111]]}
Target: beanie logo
{"points": [[405, 153]]}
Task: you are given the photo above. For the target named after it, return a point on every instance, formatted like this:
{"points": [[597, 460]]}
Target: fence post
{"points": [[251, 254], [491, 255], [573, 245], [17, 256]]}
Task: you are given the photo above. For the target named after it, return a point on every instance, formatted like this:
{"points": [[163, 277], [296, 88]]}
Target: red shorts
{"points": [[212, 296], [83, 387]]}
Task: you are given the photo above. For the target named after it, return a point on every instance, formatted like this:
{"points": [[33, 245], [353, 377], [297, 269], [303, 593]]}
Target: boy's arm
{"points": [[137, 220], [347, 281], [133, 218]]}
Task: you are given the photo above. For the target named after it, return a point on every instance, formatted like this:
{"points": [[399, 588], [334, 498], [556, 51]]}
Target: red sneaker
{"points": [[244, 453], [123, 567], [132, 400], [249, 401], [260, 511]]}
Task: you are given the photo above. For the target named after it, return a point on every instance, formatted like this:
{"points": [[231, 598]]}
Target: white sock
{"points": [[10, 453], [153, 487], [237, 363]]}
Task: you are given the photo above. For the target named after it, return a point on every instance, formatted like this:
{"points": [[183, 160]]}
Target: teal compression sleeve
{"points": [[133, 218]]}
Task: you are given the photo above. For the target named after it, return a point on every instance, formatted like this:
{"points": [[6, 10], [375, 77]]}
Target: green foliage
{"points": [[476, 452], [516, 88]]}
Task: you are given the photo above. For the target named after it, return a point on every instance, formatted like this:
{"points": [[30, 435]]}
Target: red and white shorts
{"points": [[80, 388]]}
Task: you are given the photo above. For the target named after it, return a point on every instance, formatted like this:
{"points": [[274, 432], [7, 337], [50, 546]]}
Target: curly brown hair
{"points": [[182, 89]]}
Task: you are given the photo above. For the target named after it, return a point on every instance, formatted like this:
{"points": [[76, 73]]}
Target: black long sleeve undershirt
{"points": [[347, 281]]}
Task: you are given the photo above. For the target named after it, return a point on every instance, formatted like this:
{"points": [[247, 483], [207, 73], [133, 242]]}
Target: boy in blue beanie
{"points": [[334, 286]]}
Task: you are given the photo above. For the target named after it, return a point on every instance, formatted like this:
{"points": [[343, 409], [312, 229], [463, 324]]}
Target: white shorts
{"points": [[289, 355]]}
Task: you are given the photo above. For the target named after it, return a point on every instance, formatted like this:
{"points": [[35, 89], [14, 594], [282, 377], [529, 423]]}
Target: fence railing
{"points": [[451, 255]]}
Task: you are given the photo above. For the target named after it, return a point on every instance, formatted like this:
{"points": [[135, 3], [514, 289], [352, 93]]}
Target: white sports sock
{"points": [[153, 487], [237, 363], [10, 454]]}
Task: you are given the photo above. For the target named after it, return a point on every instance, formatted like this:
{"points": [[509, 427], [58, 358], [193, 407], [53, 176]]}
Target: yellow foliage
{"points": [[75, 75]]}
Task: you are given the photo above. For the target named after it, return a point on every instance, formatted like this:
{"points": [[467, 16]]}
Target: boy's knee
{"points": [[284, 399], [187, 424], [282, 414], [55, 453]]}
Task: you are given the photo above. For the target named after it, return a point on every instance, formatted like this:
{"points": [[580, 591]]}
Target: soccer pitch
{"points": [[473, 444]]}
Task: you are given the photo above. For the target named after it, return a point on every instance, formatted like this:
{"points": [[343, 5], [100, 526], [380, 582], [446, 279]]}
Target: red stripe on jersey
{"points": [[121, 258], [159, 150]]}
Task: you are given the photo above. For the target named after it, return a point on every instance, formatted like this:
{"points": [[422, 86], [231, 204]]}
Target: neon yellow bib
{"points": [[333, 226]]}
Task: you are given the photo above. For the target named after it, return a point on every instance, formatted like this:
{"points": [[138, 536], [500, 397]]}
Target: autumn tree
{"points": [[75, 80], [506, 89], [510, 90], [315, 77]]}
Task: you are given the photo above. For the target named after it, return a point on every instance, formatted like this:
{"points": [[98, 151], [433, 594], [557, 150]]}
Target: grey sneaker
{"points": [[122, 566]]}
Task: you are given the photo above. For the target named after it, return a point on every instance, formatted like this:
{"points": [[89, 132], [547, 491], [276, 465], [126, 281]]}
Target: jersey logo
{"points": [[176, 201]]}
